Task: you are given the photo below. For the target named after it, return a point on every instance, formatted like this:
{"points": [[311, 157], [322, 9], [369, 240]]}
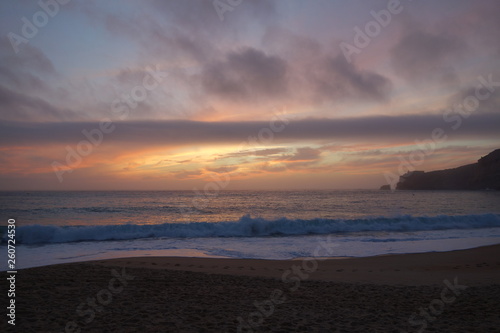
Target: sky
{"points": [[244, 94]]}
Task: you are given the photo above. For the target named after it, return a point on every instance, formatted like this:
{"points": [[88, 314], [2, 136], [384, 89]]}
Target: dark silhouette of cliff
{"points": [[485, 174]]}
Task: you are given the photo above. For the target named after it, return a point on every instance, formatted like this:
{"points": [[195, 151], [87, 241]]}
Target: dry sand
{"points": [[456, 291]]}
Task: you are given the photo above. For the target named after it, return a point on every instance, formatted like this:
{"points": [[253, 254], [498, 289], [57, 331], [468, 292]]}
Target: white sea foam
{"points": [[250, 227]]}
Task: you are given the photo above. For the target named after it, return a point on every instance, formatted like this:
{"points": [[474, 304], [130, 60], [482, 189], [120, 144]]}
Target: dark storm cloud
{"points": [[164, 133], [246, 74]]}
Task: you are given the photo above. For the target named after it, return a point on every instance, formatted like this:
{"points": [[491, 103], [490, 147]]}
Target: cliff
{"points": [[485, 174]]}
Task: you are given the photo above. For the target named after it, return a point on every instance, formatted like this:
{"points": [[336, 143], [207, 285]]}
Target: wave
{"points": [[94, 209], [249, 227]]}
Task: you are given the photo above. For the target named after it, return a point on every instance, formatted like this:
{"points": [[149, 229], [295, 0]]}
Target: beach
{"points": [[250, 166], [456, 291]]}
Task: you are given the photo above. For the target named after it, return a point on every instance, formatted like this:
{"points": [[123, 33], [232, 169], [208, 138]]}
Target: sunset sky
{"points": [[250, 94]]}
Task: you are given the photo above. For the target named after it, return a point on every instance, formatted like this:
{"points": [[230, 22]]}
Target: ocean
{"points": [[61, 227]]}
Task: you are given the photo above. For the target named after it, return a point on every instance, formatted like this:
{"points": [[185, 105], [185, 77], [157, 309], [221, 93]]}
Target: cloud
{"points": [[269, 151], [31, 58], [223, 169], [26, 70], [172, 133], [304, 158], [15, 106], [421, 56], [337, 79], [246, 74], [318, 76], [480, 25], [201, 16], [490, 104], [184, 29], [295, 69], [165, 36], [268, 167], [256, 153], [305, 154], [380, 161], [251, 75], [187, 174], [294, 47], [237, 68]]}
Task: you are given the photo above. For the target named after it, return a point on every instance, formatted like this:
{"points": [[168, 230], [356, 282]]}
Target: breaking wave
{"points": [[249, 227]]}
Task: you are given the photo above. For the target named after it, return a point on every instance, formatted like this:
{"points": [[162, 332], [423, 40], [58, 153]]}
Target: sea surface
{"points": [[59, 227]]}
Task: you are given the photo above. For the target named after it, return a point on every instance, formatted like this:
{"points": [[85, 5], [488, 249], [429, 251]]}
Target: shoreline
{"points": [[178, 294], [32, 257], [479, 265]]}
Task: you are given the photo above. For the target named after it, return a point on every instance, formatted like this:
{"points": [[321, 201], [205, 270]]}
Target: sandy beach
{"points": [[456, 291], [250, 166]]}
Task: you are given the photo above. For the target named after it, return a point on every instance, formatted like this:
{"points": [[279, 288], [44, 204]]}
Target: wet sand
{"points": [[456, 291]]}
